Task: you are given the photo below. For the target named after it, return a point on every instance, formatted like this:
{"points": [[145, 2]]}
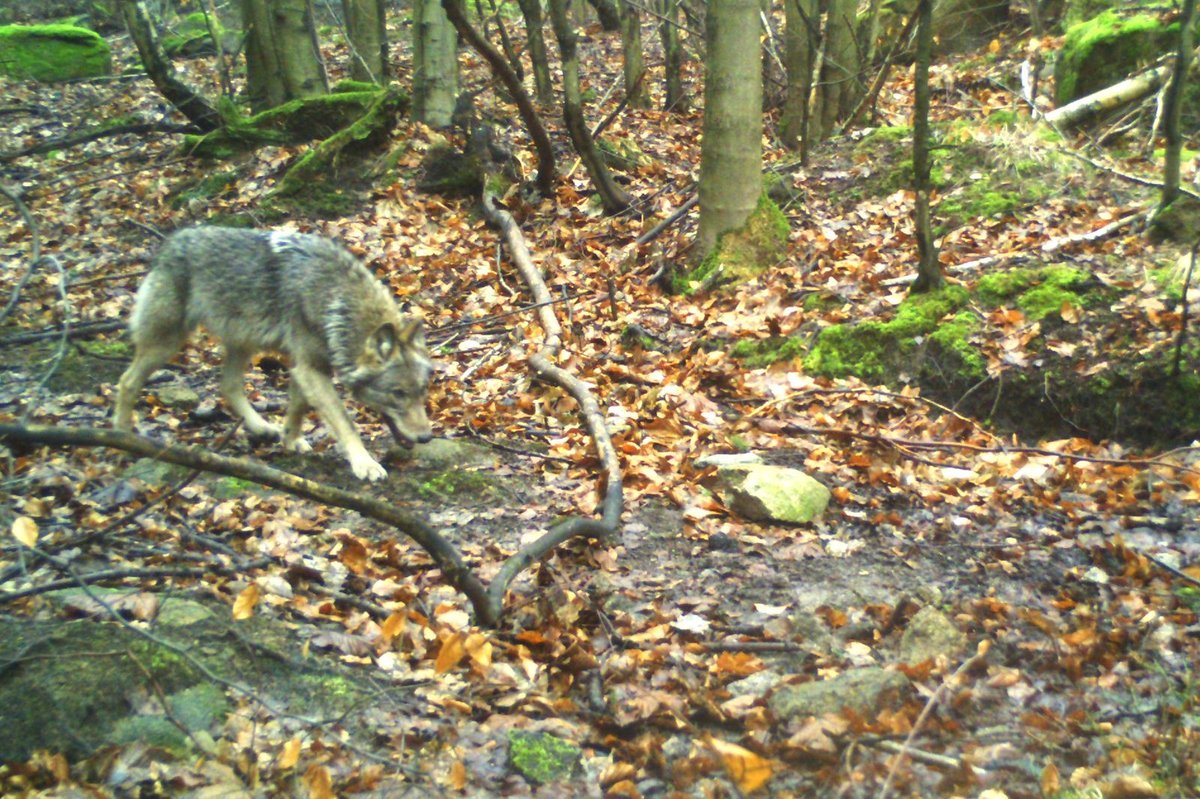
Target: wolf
{"points": [[299, 294]]}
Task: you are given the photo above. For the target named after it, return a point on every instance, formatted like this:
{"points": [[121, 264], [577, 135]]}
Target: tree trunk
{"points": [[532, 11], [294, 38], [633, 63], [366, 29], [800, 48], [1174, 103], [609, 14], [541, 140], [282, 60], [839, 89], [185, 99], [435, 64], [612, 196], [929, 270], [731, 152], [668, 32]]}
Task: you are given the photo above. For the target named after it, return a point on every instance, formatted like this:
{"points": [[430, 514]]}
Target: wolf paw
{"points": [[298, 444], [366, 468]]}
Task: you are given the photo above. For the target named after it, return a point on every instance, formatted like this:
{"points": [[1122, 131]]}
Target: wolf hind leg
{"points": [[233, 389], [151, 353]]}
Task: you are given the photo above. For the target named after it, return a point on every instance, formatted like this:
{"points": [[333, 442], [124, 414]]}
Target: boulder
{"points": [[864, 691], [52, 52], [766, 493]]}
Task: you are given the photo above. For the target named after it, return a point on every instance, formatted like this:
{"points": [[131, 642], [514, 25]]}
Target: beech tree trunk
{"points": [[366, 28], [612, 196], [282, 59], [731, 151], [185, 99], [929, 270], [800, 48], [633, 62], [839, 87], [1173, 111], [668, 32], [608, 12], [500, 67], [435, 64], [536, 41]]}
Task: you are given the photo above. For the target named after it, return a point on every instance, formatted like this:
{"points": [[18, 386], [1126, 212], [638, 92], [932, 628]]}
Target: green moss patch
{"points": [[1103, 50], [542, 758], [756, 353], [880, 352], [52, 52], [741, 254]]}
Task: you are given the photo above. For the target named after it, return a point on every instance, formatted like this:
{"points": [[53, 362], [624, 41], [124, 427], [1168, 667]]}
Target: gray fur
{"points": [[294, 293]]}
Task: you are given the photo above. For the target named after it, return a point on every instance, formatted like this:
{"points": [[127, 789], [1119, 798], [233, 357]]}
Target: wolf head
{"points": [[391, 376]]}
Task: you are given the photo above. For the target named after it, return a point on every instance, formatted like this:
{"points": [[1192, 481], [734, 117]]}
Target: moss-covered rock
{"points": [[542, 758], [1103, 50], [191, 37], [52, 52]]}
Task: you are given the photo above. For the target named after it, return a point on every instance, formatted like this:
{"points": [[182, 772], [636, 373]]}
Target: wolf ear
{"points": [[412, 331], [384, 340]]}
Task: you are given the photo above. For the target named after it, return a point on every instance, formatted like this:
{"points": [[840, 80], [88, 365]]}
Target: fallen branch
{"points": [[81, 330], [543, 366], [66, 142], [487, 600], [35, 253], [1128, 90]]}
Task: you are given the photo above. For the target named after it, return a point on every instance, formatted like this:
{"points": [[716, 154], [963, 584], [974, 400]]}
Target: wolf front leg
{"points": [[233, 389], [319, 392]]}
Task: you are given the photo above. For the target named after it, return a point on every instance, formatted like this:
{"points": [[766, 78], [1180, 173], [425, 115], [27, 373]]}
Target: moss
{"points": [[542, 758], [876, 351], [191, 37], [1104, 49], [155, 731], [347, 85], [52, 52], [743, 253], [1041, 301], [953, 336], [1179, 221], [208, 188], [997, 287], [1003, 118], [458, 482], [756, 353]]}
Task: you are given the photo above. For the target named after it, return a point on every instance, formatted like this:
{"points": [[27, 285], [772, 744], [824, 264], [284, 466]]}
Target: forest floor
{"points": [[1053, 578]]}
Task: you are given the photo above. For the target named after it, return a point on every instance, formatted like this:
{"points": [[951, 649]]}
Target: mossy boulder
{"points": [[1104, 49], [52, 52], [191, 37]]}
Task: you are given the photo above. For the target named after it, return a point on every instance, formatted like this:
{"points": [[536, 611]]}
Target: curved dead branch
{"points": [[35, 254], [542, 363], [443, 553]]}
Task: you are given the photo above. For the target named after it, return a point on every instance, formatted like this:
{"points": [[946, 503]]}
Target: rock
{"points": [[443, 453], [865, 691], [930, 633], [756, 684], [1104, 49], [177, 396], [761, 492], [727, 459], [541, 757], [52, 52]]}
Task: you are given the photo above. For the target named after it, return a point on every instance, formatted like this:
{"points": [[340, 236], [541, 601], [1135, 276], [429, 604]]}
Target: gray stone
{"points": [[756, 684], [864, 691], [177, 396], [441, 453], [930, 633], [761, 492], [727, 459]]}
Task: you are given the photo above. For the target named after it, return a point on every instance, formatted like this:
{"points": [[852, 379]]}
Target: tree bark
{"points": [[612, 196], [537, 131], [1174, 104], [536, 41], [633, 62], [800, 48], [929, 270], [294, 37], [264, 86], [839, 87], [435, 64], [185, 99], [668, 32], [731, 152], [366, 29], [609, 14]]}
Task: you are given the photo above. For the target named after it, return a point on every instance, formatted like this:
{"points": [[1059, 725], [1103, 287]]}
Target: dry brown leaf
{"points": [[452, 652], [290, 755], [320, 784], [25, 530], [243, 606], [748, 770]]}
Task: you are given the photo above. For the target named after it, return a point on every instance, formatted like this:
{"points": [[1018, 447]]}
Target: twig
{"points": [[950, 682], [35, 250], [675, 216], [1183, 313], [82, 330]]}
